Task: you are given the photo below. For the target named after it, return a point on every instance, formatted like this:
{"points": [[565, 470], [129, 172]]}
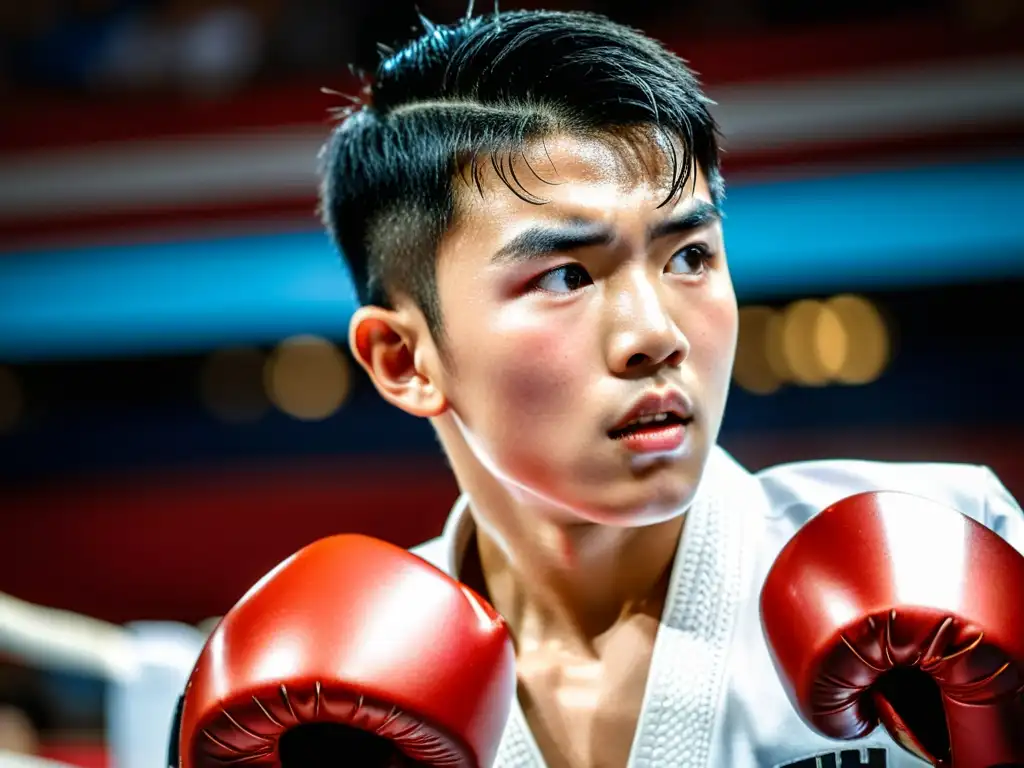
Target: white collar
{"points": [[689, 665], [457, 533]]}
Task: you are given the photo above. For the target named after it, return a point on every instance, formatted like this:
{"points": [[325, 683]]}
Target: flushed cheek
{"points": [[525, 402], [536, 372]]}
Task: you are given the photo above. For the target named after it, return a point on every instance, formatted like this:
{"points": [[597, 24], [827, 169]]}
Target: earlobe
{"points": [[384, 343]]}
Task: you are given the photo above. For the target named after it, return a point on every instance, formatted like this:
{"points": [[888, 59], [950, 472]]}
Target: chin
{"points": [[641, 503], [614, 494]]}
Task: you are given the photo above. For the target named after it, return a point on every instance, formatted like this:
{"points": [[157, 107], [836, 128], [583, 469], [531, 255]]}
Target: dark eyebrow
{"points": [[699, 215], [542, 241]]}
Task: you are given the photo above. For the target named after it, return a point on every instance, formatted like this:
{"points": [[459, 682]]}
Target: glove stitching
{"points": [[265, 711]]}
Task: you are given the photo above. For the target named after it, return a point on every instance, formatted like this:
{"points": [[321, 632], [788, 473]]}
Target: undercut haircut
{"points": [[478, 92]]}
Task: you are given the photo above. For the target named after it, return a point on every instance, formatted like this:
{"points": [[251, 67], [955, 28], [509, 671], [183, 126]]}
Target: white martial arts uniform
{"points": [[713, 699]]}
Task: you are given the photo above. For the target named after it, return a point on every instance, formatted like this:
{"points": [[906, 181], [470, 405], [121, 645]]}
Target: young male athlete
{"points": [[530, 206]]}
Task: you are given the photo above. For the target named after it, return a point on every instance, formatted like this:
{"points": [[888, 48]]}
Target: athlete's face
{"points": [[560, 317]]}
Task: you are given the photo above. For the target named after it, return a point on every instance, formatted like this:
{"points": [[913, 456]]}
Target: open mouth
{"points": [[650, 424]]}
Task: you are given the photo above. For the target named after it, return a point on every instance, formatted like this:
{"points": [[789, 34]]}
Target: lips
{"points": [[648, 423], [654, 410]]}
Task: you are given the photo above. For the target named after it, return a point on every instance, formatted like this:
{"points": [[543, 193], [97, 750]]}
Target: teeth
{"points": [[650, 419]]}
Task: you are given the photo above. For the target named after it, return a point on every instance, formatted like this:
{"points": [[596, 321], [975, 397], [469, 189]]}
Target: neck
{"points": [[550, 577], [571, 581]]}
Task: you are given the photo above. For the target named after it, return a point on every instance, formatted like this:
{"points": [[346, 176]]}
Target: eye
{"points": [[691, 260], [564, 279]]}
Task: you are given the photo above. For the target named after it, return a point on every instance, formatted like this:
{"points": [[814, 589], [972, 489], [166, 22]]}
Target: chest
{"points": [[583, 708]]}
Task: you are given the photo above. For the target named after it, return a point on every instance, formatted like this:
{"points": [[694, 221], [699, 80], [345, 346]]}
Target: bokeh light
{"points": [[307, 377], [232, 385], [869, 348], [753, 369], [811, 343]]}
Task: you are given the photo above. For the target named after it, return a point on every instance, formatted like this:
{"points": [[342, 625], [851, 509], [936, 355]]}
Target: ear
{"points": [[385, 343]]}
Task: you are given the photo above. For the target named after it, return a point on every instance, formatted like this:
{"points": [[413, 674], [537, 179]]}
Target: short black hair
{"points": [[477, 91]]}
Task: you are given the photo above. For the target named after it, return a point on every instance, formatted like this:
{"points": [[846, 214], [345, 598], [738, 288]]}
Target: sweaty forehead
{"points": [[622, 160], [569, 171]]}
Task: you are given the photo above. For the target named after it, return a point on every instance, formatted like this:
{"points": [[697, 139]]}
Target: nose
{"points": [[645, 336]]}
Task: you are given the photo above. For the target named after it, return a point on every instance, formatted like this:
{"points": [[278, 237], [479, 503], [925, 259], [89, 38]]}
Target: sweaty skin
{"points": [[541, 357]]}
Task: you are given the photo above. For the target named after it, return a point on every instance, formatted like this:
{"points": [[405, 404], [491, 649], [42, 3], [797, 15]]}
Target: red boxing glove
{"points": [[351, 652], [891, 608]]}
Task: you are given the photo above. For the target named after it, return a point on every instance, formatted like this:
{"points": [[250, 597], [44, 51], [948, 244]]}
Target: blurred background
{"points": [[177, 408]]}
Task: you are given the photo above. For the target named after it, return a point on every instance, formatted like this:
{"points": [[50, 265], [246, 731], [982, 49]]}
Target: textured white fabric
{"points": [[713, 699]]}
